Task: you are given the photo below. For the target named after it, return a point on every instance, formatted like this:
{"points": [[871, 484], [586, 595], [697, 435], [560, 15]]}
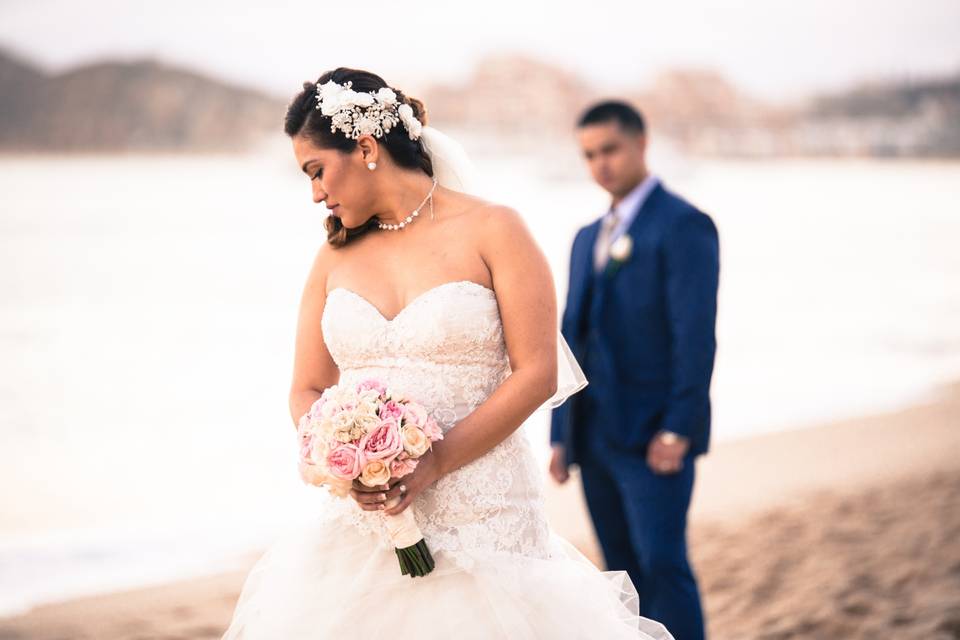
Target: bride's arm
{"points": [[525, 293], [313, 367]]}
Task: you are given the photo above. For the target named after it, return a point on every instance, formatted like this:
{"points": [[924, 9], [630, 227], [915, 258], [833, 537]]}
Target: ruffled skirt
{"points": [[328, 581]]}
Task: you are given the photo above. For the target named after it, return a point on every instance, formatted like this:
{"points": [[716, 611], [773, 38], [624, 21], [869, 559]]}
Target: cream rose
{"points": [[312, 474], [339, 488], [366, 422], [415, 441], [341, 426], [375, 473]]}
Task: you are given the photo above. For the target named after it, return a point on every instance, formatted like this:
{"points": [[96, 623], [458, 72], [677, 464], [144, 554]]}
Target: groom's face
{"points": [[614, 155]]}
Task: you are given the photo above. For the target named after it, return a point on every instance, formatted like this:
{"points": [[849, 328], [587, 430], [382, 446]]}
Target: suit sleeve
{"points": [[560, 417], [692, 270]]}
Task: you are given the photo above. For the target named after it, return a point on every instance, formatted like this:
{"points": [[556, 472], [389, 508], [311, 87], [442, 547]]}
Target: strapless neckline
{"points": [[416, 299]]}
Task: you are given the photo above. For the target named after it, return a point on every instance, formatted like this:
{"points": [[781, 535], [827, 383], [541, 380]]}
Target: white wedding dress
{"points": [[500, 571]]}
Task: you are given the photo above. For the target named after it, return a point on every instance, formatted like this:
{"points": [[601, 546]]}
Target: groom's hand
{"points": [[558, 464], [666, 451]]}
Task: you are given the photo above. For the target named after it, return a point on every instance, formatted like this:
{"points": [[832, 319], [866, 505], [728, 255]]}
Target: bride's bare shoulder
{"points": [[483, 218], [324, 262]]}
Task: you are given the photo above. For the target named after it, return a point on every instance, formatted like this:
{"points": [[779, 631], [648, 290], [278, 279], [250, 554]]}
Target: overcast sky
{"points": [[778, 49]]}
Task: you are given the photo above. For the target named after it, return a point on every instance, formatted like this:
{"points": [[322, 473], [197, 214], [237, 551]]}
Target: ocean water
{"points": [[148, 304]]}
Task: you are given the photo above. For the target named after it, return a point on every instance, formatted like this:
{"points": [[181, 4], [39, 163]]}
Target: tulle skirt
{"points": [[328, 581]]}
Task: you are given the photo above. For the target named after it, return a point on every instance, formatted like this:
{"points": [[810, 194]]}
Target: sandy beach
{"points": [[846, 530]]}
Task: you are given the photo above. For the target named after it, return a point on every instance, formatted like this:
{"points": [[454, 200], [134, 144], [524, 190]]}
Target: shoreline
{"points": [[794, 534]]}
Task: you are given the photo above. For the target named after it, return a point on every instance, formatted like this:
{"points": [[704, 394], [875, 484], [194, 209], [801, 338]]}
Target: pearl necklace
{"points": [[413, 214]]}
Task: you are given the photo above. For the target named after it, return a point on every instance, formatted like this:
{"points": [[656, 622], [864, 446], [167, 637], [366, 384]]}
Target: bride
{"points": [[449, 301]]}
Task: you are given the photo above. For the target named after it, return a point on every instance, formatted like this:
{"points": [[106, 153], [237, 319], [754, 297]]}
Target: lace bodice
{"points": [[445, 350]]}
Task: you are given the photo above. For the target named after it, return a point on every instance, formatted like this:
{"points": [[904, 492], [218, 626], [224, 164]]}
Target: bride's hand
{"points": [[405, 489]]}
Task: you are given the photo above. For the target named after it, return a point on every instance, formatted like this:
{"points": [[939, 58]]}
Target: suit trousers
{"points": [[640, 518]]}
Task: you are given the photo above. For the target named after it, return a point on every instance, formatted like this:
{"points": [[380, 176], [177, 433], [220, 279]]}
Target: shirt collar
{"points": [[628, 208]]}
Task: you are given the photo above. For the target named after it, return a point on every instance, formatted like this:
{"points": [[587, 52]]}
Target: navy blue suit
{"points": [[644, 333]]}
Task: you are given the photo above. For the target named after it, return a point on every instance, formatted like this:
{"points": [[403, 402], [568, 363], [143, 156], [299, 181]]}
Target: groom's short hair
{"points": [[622, 113]]}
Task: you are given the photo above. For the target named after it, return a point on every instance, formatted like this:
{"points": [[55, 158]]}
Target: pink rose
{"points": [[383, 442], [306, 444], [415, 413], [372, 384], [391, 411], [432, 429], [315, 410], [346, 461], [401, 467]]}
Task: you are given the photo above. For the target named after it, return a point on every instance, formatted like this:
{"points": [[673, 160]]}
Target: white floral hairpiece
{"points": [[371, 113]]}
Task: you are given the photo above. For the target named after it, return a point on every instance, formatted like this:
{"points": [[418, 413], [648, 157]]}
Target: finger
{"points": [[659, 465], [396, 482], [359, 486], [655, 462], [369, 498], [672, 466], [404, 503], [371, 506], [398, 490]]}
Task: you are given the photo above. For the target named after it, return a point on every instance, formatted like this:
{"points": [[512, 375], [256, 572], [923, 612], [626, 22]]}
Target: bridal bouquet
{"points": [[370, 434]]}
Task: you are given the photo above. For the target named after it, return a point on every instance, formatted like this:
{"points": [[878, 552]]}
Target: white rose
{"points": [[368, 395], [364, 99], [330, 89], [375, 473], [351, 98], [415, 441], [339, 396], [414, 127], [329, 107], [325, 428], [621, 248], [387, 96]]}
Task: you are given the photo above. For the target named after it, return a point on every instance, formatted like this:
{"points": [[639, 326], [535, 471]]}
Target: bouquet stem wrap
{"points": [[412, 552]]}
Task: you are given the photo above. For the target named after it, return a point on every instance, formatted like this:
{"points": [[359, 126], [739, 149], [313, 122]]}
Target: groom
{"points": [[640, 316]]}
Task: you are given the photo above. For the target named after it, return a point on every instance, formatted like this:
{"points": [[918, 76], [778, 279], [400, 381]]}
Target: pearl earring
{"points": [[371, 165]]}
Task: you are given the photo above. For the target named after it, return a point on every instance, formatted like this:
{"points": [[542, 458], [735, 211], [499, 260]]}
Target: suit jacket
{"points": [[643, 331]]}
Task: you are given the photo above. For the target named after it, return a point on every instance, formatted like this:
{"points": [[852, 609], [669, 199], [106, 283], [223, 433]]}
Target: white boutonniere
{"points": [[619, 253]]}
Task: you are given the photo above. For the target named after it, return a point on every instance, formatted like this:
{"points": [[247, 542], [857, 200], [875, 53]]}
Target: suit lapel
{"points": [[640, 220], [648, 204], [582, 274]]}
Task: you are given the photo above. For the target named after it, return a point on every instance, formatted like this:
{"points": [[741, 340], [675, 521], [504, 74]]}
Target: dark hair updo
{"points": [[304, 119]]}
